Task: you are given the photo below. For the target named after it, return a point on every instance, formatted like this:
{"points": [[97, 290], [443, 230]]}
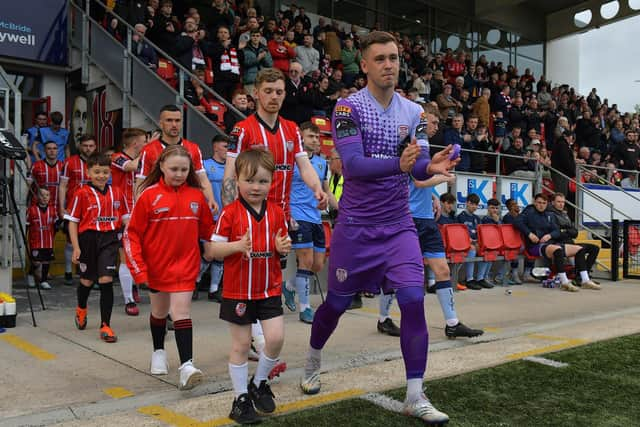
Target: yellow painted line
{"points": [[319, 400], [179, 420], [394, 314], [492, 329], [118, 392], [27, 347], [169, 417], [547, 349], [546, 337]]}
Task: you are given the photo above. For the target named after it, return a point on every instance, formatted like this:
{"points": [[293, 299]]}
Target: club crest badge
{"points": [[194, 207], [341, 274], [83, 267], [241, 309], [290, 146], [116, 204]]}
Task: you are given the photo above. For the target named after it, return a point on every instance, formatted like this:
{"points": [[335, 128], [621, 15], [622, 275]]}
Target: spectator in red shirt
{"points": [[280, 53]]}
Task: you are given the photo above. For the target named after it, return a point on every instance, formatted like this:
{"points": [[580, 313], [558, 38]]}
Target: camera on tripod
{"points": [[10, 147]]}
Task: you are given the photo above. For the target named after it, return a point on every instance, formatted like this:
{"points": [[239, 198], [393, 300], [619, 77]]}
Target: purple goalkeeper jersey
{"points": [[369, 139]]}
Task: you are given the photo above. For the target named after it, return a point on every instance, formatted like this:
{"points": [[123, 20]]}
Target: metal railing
{"points": [[119, 63], [603, 231], [582, 170]]}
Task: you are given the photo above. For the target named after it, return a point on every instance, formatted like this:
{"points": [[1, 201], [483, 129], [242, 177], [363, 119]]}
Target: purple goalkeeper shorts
{"points": [[374, 258]]}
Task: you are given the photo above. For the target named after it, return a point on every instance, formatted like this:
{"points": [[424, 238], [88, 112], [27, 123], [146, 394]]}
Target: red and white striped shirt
{"points": [[284, 142], [47, 176], [75, 172], [122, 179], [98, 210], [258, 277], [151, 153], [41, 223]]}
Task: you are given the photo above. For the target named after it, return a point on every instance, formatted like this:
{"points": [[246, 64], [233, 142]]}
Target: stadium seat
{"points": [[219, 109], [490, 242], [456, 242], [512, 241], [167, 71]]}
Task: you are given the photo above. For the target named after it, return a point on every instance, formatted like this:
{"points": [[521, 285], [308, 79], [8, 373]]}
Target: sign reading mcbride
{"points": [[35, 30]]}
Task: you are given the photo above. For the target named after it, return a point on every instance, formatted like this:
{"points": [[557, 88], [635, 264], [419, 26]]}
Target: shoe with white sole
{"points": [[190, 376], [424, 410], [159, 364], [45, 285], [311, 384]]}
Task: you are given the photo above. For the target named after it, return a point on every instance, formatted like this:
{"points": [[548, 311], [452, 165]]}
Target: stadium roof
{"points": [[541, 20]]}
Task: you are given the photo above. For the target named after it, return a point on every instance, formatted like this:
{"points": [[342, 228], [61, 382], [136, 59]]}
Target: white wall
{"points": [[607, 58], [563, 61], [53, 85]]}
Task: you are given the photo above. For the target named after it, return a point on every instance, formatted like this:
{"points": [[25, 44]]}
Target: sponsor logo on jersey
{"points": [[345, 128], [194, 207], [341, 274], [106, 218], [267, 254], [160, 210], [241, 309], [343, 111], [283, 167]]}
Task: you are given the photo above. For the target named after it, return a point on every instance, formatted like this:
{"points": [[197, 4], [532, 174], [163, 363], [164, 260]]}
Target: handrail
{"points": [[580, 168], [182, 69]]}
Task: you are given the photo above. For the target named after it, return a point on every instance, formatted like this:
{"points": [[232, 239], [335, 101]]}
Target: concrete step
{"points": [[596, 242]]}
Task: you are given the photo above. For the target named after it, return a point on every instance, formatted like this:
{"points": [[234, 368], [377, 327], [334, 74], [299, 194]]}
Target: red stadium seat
{"points": [[217, 108], [490, 242], [167, 71], [512, 241], [457, 242]]}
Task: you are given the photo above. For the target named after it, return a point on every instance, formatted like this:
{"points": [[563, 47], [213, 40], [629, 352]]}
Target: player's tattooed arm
{"points": [[229, 190]]}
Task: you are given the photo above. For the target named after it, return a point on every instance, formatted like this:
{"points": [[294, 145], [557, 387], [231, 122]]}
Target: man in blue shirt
{"points": [[33, 134], [55, 133], [214, 167], [421, 205], [307, 231]]}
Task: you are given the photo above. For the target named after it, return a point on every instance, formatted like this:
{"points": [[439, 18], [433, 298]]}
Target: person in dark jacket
{"points": [[520, 165], [448, 212], [298, 104], [562, 160], [568, 232], [543, 239], [142, 49], [454, 135]]}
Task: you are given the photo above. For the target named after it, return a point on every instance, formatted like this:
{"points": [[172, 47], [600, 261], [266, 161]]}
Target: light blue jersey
{"points": [[215, 172], [304, 206], [420, 201]]}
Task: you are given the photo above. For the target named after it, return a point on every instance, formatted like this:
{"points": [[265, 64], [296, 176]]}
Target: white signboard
{"points": [[596, 212], [482, 185], [515, 188]]}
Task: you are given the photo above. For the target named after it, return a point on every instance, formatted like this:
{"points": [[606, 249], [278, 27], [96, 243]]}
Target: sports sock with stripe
{"points": [[184, 339], [158, 331], [303, 278], [126, 283]]}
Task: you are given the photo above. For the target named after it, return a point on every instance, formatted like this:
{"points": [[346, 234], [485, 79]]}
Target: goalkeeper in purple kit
{"points": [[375, 245]]}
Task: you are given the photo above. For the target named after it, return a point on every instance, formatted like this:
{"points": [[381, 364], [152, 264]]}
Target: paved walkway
{"points": [[57, 374]]}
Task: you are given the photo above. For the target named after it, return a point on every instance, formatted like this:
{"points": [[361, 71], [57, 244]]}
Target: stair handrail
{"points": [[580, 168], [131, 30]]}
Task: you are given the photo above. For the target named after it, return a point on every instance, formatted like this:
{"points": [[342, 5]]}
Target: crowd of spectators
{"points": [[485, 106]]}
